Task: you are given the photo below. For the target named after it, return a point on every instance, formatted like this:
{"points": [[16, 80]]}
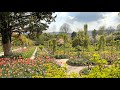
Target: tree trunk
{"points": [[7, 49], [6, 42]]}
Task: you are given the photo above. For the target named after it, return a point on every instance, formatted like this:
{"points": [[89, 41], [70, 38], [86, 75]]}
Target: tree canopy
{"points": [[32, 23]]}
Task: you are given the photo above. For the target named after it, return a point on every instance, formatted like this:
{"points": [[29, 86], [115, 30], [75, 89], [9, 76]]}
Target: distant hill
{"points": [[89, 32]]}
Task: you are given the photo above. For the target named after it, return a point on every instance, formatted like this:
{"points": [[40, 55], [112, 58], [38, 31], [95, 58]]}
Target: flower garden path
{"points": [[70, 69]]}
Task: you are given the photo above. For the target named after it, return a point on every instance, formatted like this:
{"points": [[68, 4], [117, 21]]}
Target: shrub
{"points": [[84, 71], [61, 56], [41, 47], [78, 48], [74, 75], [79, 62]]}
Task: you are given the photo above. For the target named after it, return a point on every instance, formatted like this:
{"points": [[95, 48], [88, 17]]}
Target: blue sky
{"points": [[76, 20]]}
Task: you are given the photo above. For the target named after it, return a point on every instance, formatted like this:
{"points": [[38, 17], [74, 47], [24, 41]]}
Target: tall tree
{"points": [[86, 38], [86, 29], [101, 42], [54, 45], [20, 22], [94, 34], [73, 35]]}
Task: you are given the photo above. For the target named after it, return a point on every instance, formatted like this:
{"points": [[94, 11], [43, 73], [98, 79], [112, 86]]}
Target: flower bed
{"points": [[110, 58], [27, 68], [79, 62]]}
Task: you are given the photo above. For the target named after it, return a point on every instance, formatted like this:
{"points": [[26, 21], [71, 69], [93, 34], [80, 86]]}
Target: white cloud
{"points": [[71, 17], [106, 18], [110, 19]]}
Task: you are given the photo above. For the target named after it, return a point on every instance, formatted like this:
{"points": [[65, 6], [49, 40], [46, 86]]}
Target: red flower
{"points": [[47, 57]]}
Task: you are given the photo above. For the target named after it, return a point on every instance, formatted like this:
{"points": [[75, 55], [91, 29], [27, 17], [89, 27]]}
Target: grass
{"points": [[27, 53]]}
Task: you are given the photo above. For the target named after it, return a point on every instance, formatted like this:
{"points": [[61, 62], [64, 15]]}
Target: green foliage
{"points": [[101, 42], [79, 62], [116, 35], [16, 21], [75, 42], [84, 71], [61, 56], [86, 38], [28, 52], [41, 47], [79, 39], [73, 35], [78, 48], [22, 40], [99, 61], [94, 34], [109, 72], [54, 45], [66, 39], [117, 44], [101, 30], [85, 28], [109, 39], [74, 75]]}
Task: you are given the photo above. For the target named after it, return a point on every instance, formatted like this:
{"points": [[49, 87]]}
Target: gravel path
{"points": [[70, 69]]}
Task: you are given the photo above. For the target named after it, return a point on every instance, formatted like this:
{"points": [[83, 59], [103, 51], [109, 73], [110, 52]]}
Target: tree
{"points": [[22, 22], [78, 40], [40, 40], [65, 28], [101, 42], [117, 44], [86, 38], [94, 34], [54, 45], [118, 27], [110, 30], [80, 36], [65, 38], [116, 35], [73, 35], [101, 30], [86, 29]]}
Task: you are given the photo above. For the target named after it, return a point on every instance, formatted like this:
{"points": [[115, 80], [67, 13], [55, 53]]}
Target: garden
{"points": [[30, 53]]}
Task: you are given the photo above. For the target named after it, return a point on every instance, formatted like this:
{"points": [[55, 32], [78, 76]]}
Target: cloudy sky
{"points": [[76, 20]]}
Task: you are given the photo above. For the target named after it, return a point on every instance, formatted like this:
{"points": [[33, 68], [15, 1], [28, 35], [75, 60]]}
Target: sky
{"points": [[76, 20]]}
